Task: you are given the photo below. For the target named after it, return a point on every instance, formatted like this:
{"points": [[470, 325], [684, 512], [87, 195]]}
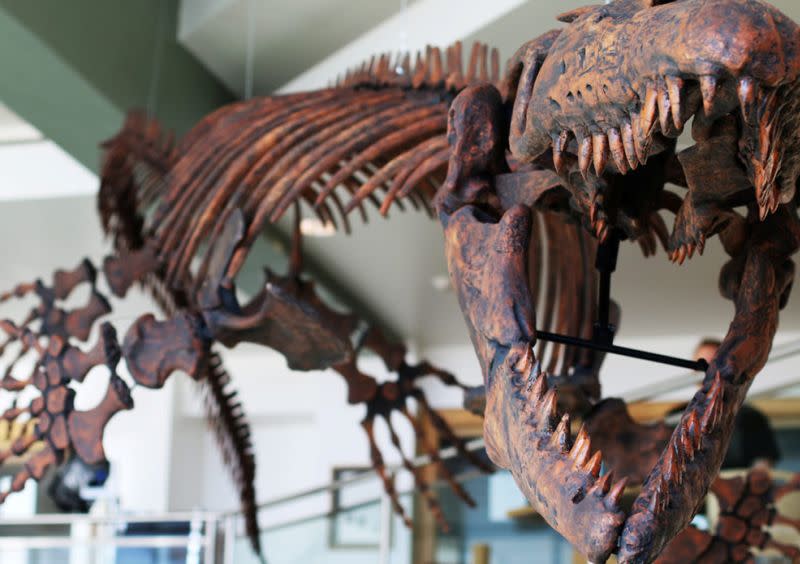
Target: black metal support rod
{"points": [[606, 264], [700, 365]]}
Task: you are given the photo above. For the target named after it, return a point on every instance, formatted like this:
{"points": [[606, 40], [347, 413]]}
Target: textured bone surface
{"points": [[748, 507], [601, 109]]}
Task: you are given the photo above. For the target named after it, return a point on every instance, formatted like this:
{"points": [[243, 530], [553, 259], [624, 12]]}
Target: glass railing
{"points": [[370, 532], [84, 539]]}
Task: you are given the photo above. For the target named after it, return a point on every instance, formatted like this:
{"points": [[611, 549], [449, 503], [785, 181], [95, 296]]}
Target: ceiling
{"points": [[23, 150], [289, 36]]}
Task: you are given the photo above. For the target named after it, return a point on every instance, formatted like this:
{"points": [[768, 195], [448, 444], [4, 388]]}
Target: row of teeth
{"points": [[683, 252], [662, 104], [683, 450], [542, 402]]}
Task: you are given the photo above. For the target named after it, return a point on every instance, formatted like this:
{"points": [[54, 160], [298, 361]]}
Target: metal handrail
{"points": [[73, 518], [422, 460], [463, 477], [150, 541], [201, 538]]}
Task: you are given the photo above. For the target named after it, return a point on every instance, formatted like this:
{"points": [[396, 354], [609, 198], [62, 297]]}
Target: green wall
{"points": [[73, 68]]}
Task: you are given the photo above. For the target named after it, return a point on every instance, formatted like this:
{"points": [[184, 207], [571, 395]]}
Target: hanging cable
{"points": [[403, 37], [158, 55], [250, 49]]}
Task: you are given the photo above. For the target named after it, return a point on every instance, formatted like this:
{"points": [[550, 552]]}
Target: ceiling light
{"points": [[313, 227], [441, 283]]}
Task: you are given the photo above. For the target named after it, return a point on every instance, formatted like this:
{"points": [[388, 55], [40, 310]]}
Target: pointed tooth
{"points": [[663, 494], [533, 374], [657, 501], [674, 87], [580, 449], [687, 442], [649, 110], [669, 465], [549, 409], [640, 139], [630, 145], [604, 233], [747, 96], [708, 88], [601, 225], [560, 144], [693, 428], [664, 106], [561, 436], [613, 497], [600, 143], [617, 150], [523, 365], [603, 484], [673, 462], [713, 405], [539, 387], [763, 211], [595, 464], [585, 156], [776, 201], [581, 455], [681, 257]]}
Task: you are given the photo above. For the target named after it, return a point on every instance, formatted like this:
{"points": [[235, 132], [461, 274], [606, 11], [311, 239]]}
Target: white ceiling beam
{"points": [[424, 21], [193, 14]]}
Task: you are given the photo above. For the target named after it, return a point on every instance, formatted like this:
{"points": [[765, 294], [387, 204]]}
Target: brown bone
{"points": [[153, 350], [86, 428], [127, 267], [64, 281]]}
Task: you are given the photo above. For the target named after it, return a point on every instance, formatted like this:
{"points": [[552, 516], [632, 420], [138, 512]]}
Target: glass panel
{"points": [[499, 527], [99, 555], [351, 536], [35, 556], [117, 542]]}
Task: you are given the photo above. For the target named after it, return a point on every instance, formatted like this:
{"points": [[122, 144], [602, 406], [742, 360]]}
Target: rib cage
{"points": [[379, 135]]}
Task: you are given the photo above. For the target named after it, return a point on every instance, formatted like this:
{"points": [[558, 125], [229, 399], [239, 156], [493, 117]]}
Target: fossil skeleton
{"points": [[748, 508], [561, 159]]}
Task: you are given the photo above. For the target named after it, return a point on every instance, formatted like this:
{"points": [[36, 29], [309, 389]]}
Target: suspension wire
{"points": [[250, 49], [158, 56], [403, 37]]}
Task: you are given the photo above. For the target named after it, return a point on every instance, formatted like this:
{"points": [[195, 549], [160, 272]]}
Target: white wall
{"points": [[302, 427]]}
